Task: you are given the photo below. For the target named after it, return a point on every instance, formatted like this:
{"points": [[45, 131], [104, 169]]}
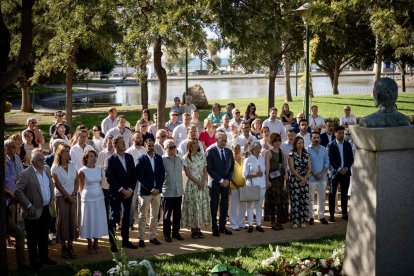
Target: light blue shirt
{"points": [[44, 185], [319, 161]]}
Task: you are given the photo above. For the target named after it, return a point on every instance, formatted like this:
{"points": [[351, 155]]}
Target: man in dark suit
{"points": [[34, 190], [328, 136], [341, 159], [220, 167], [121, 177], [151, 174]]}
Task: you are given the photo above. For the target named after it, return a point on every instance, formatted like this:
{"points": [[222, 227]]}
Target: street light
{"points": [[305, 14]]}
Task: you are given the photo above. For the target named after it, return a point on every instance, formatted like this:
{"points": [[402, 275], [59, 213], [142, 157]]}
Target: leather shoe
{"points": [[167, 239], [250, 229], [226, 231], [259, 228], [48, 262], [344, 217], [323, 221], [155, 241], [216, 233], [311, 221], [114, 249], [129, 244], [141, 243], [36, 265], [331, 218], [178, 237]]}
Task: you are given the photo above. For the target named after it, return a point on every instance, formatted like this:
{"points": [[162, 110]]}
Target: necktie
{"points": [[223, 159]]}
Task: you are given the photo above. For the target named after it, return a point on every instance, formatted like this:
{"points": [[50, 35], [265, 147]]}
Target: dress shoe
{"points": [[200, 234], [331, 218], [344, 217], [129, 244], [259, 228], [226, 231], [177, 237], [311, 221], [216, 233], [167, 239], [194, 234], [323, 221], [114, 249], [250, 229], [36, 265], [155, 241], [141, 243], [48, 262]]}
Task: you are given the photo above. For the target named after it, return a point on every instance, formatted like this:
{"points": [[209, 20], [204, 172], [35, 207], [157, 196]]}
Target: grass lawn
{"points": [[329, 107], [201, 262]]}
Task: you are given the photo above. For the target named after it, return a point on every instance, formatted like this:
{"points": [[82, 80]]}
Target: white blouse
{"points": [[66, 178]]}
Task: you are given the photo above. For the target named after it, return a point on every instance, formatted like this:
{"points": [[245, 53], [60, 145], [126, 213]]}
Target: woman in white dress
{"points": [[93, 219]]}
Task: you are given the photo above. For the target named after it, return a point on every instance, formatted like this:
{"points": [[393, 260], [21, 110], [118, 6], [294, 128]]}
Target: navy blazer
{"points": [[335, 157], [117, 177], [325, 140], [148, 178], [215, 168]]}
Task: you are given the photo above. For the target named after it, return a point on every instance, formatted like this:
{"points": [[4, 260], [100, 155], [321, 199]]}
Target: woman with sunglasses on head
{"points": [[250, 114], [38, 136], [59, 134], [97, 139], [196, 204]]}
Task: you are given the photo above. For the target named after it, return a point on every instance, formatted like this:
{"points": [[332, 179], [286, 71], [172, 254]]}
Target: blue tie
{"points": [[223, 159]]}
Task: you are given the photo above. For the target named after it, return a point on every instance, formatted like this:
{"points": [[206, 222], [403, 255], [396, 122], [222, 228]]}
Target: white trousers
{"points": [[320, 188], [256, 206], [237, 210]]}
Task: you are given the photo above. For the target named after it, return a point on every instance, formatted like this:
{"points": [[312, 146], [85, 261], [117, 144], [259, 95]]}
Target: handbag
{"points": [[249, 193]]}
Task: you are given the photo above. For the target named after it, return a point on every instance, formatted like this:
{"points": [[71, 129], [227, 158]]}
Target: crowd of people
{"points": [[192, 174]]}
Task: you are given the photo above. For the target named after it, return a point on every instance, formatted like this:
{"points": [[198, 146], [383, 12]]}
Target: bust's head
{"points": [[385, 92]]}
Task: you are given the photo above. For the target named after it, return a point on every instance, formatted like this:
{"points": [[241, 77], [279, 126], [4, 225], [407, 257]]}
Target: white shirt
{"points": [[316, 122], [98, 143], [238, 122], [182, 148], [103, 163], [306, 138], [107, 124], [76, 154], [188, 108], [136, 153], [122, 159], [275, 126], [251, 165], [347, 119], [44, 185], [127, 134], [66, 178], [223, 128], [341, 151], [242, 141], [179, 133]]}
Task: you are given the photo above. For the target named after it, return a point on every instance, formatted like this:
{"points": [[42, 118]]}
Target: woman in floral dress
{"points": [[300, 168], [196, 204]]}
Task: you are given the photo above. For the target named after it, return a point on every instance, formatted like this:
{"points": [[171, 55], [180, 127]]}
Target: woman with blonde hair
{"points": [[208, 136], [237, 208], [256, 128], [65, 180]]}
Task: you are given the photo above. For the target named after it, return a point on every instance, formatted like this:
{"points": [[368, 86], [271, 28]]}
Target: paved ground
{"points": [[188, 245]]}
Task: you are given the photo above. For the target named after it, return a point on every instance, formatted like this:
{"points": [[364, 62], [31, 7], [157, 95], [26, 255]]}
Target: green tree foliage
{"points": [[259, 33], [341, 36]]}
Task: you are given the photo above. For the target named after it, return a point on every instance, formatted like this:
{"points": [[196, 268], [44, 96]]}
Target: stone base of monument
{"points": [[380, 233]]}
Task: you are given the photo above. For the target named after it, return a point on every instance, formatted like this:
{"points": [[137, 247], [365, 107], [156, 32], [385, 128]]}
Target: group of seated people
{"points": [[188, 171]]}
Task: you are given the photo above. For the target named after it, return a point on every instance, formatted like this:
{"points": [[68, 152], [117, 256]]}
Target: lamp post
{"points": [[305, 13], [186, 71]]}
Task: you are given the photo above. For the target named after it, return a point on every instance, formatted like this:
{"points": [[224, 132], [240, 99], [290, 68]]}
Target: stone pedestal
{"points": [[380, 233]]}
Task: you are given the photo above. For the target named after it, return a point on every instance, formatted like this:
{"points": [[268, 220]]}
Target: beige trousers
{"points": [[148, 202]]}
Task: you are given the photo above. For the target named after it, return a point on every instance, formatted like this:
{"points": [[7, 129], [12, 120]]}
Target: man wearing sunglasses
{"points": [[59, 115], [31, 124]]}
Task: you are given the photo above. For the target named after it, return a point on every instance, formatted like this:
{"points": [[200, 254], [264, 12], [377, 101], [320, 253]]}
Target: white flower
{"points": [[307, 262], [323, 263], [318, 273]]}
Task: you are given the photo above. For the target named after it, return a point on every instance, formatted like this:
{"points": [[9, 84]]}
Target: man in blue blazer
{"points": [[341, 159], [121, 176], [220, 167], [151, 174], [328, 136]]}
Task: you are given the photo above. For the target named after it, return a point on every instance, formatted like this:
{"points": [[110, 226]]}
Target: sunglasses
{"points": [[95, 129], [163, 136], [172, 147], [60, 116], [174, 114], [33, 122], [143, 125]]}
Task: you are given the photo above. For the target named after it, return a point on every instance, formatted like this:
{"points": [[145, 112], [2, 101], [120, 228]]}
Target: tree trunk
{"points": [[3, 246], [272, 83], [403, 72], [143, 77], [378, 58], [162, 77], [288, 91], [69, 94], [25, 87]]}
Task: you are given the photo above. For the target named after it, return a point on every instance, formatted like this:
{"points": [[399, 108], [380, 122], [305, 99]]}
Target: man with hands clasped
{"points": [[121, 176]]}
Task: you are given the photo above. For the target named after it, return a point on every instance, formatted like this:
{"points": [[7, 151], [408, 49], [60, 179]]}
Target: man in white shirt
{"points": [[180, 132], [236, 117], [245, 139], [121, 129], [191, 134], [136, 150], [348, 119], [76, 151], [274, 124], [188, 106], [287, 146], [303, 127], [110, 121], [225, 126], [316, 122], [161, 136]]}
